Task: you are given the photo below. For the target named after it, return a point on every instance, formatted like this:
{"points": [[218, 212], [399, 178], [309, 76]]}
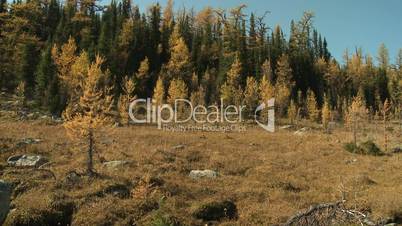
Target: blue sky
{"points": [[345, 23]]}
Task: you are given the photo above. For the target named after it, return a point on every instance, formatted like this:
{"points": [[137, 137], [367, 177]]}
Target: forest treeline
{"points": [[47, 50]]}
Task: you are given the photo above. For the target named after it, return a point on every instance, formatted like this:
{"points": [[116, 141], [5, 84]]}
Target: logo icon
{"points": [[270, 126]]}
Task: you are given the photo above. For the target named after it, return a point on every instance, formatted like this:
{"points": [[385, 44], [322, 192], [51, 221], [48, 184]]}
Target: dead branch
{"points": [[322, 214]]}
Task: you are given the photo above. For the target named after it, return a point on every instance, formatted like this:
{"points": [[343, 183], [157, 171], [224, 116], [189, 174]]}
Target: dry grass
{"points": [[270, 176]]}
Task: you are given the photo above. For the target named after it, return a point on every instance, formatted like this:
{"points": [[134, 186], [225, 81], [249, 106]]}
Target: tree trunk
{"points": [[90, 154], [355, 133]]}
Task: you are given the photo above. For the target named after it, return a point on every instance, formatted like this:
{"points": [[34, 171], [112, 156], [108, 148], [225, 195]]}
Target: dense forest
{"points": [[47, 50]]}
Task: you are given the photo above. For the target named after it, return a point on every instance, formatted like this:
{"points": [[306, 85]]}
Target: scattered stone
{"points": [[31, 115], [118, 190], [197, 174], [5, 197], [29, 141], [115, 164], [57, 119], [253, 144], [286, 127], [73, 177], [216, 211], [350, 161], [302, 131], [397, 150], [178, 147], [26, 160]]}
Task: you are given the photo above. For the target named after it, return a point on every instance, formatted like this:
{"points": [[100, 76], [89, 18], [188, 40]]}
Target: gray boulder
{"points": [[197, 174], [26, 160], [5, 195]]}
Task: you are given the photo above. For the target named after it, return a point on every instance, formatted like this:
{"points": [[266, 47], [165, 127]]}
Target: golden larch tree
{"points": [[326, 115], [179, 65], [178, 90], [143, 76], [159, 92], [251, 95], [231, 91], [64, 60], [94, 111], [127, 96], [284, 84], [356, 116], [312, 107]]}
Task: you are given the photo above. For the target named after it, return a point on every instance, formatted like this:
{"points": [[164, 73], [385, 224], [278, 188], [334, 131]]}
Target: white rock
{"points": [[196, 174], [178, 147], [27, 160], [302, 131], [286, 127], [115, 164]]}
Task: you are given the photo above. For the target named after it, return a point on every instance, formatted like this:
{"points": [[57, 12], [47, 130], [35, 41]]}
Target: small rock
{"points": [[72, 177], [350, 161], [397, 150], [57, 119], [118, 190], [5, 197], [301, 131], [31, 115], [115, 164], [26, 160], [286, 127], [196, 174], [30, 141], [178, 147], [216, 211]]}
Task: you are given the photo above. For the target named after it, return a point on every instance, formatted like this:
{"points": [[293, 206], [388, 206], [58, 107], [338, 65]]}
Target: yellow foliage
{"points": [[231, 92], [266, 89], [143, 71], [179, 63], [312, 107], [326, 114], [356, 115], [125, 99], [159, 92], [93, 113], [251, 94], [284, 84], [65, 59], [177, 90]]}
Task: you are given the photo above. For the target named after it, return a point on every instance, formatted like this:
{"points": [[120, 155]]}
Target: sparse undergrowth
{"points": [[263, 178], [365, 148]]}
